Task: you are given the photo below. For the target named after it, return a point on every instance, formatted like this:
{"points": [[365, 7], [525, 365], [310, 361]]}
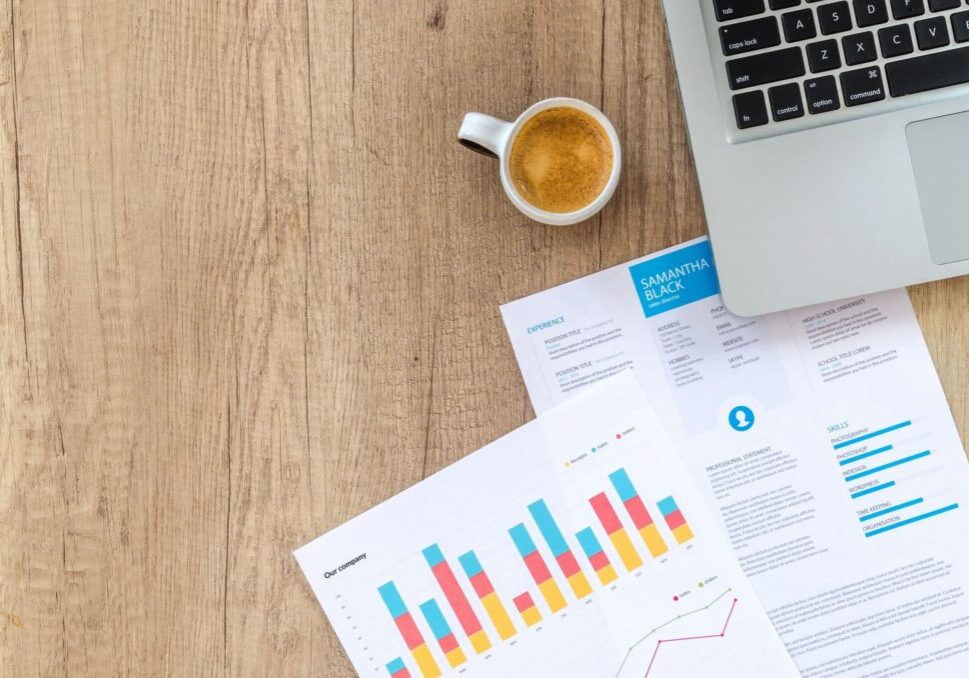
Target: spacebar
{"points": [[932, 71]]}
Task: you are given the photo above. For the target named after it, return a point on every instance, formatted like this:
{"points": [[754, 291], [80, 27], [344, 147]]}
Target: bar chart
{"points": [[549, 586], [511, 562]]}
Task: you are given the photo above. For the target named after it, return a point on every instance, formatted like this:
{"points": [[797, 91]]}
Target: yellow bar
{"points": [[553, 595], [479, 641], [456, 657], [654, 541], [425, 661], [499, 617], [683, 533], [580, 585], [531, 616], [607, 574], [627, 552]]}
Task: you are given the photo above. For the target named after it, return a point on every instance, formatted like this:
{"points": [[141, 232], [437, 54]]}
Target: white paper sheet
{"points": [[820, 437], [435, 580]]}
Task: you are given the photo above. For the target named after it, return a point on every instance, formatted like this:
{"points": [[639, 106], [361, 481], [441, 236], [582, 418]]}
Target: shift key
{"points": [[760, 69]]}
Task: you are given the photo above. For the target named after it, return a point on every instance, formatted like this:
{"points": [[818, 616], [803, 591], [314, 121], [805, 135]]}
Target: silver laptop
{"points": [[831, 140]]}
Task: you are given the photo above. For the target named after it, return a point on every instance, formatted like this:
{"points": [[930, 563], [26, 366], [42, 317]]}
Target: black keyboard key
{"points": [[859, 48], [823, 56], [785, 102], [784, 4], [862, 86], [932, 33], [761, 69], [750, 109], [928, 72], [960, 26], [942, 5], [799, 25], [737, 9], [906, 9], [870, 12], [822, 95], [896, 41], [748, 36], [834, 18]]}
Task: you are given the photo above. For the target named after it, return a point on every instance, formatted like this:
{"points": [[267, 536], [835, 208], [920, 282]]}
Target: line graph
{"points": [[662, 641]]}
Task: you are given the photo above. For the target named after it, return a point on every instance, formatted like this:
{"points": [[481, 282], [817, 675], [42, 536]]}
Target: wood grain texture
{"points": [[249, 288]]}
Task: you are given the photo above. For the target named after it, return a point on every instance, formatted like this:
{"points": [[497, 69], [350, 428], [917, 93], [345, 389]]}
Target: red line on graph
{"points": [[659, 643]]}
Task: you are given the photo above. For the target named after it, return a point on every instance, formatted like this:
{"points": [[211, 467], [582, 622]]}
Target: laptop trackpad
{"points": [[940, 154]]}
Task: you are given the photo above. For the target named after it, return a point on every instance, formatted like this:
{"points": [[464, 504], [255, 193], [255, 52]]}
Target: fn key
{"points": [[750, 108]]}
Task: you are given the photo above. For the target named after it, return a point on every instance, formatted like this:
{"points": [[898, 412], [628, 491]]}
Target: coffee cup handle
{"points": [[484, 134]]}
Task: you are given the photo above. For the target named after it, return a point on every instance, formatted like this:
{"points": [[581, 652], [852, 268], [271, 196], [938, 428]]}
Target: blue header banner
{"points": [[676, 279]]}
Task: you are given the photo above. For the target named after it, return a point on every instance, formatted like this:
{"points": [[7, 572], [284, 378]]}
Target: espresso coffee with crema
{"points": [[560, 160]]}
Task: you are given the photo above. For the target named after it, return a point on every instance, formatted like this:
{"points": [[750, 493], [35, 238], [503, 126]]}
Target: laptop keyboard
{"points": [[790, 59]]}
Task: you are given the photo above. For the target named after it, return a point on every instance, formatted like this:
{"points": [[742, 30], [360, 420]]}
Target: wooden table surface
{"points": [[249, 287]]}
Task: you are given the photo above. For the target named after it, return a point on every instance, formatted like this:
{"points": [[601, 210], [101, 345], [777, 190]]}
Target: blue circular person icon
{"points": [[741, 418]]}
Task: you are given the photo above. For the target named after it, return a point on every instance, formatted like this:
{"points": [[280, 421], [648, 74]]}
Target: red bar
{"points": [[568, 563], [536, 566], [408, 629], [448, 642], [403, 673], [639, 514], [524, 602], [455, 596], [606, 514], [481, 585], [675, 519], [599, 560]]}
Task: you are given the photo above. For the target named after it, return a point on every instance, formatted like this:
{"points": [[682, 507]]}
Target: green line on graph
{"points": [[660, 627]]}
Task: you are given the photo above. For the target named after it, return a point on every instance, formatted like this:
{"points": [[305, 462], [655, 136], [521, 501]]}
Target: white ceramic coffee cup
{"points": [[494, 137]]}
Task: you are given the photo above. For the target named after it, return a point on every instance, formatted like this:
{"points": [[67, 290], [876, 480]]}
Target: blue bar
{"points": [[883, 467], [870, 490], [393, 601], [433, 555], [916, 519], [873, 434], [891, 509], [470, 563], [435, 619], [395, 666], [622, 483], [667, 506], [548, 528], [588, 541], [859, 457], [523, 540]]}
